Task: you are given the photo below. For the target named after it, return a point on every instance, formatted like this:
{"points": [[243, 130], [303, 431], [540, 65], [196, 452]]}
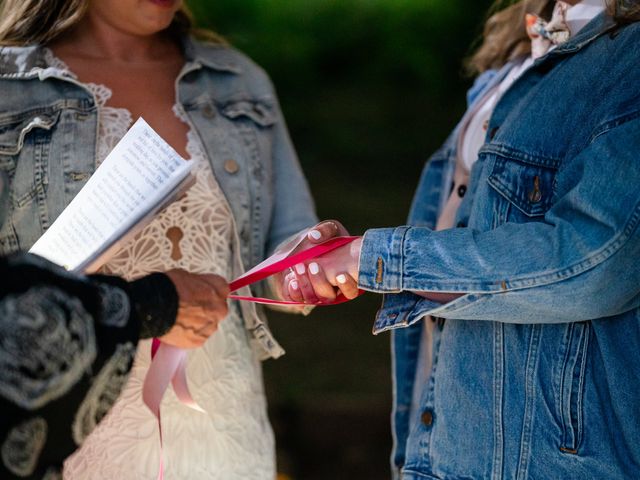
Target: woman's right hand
{"points": [[202, 306]]}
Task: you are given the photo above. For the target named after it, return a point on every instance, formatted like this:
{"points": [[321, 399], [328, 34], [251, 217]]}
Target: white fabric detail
{"points": [[23, 445], [233, 440]]}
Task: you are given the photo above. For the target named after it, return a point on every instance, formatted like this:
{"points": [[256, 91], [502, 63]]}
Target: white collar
{"points": [[582, 13]]}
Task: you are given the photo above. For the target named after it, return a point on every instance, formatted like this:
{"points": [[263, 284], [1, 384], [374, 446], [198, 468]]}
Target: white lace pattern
{"points": [[233, 440]]}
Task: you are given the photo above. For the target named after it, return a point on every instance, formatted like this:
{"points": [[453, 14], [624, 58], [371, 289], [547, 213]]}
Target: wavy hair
{"points": [[505, 36], [36, 22]]}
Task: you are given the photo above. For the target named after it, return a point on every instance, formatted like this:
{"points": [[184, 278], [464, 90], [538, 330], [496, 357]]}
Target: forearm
{"points": [[505, 280]]}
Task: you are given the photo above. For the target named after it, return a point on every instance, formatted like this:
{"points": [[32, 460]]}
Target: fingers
{"points": [[202, 306], [218, 284], [347, 285], [321, 286], [304, 284], [326, 230], [293, 288]]}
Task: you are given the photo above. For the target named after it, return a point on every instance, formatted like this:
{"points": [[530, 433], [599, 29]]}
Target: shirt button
{"points": [[231, 166], [427, 418], [462, 189], [208, 111]]}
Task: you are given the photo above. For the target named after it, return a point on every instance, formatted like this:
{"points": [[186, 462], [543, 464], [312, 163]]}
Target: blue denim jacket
{"points": [[48, 125], [535, 369]]}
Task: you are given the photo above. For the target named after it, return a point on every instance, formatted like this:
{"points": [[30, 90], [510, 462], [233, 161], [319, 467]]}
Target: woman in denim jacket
{"points": [[72, 79], [536, 293]]}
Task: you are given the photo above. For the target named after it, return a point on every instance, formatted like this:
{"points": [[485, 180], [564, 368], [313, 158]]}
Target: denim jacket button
{"points": [[231, 166], [427, 418], [208, 112]]}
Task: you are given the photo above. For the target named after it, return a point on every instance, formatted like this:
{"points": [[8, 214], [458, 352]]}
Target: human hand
{"points": [[203, 305], [320, 280]]}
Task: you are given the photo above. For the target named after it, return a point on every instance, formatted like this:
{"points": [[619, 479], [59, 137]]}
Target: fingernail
{"points": [[341, 278], [314, 268], [300, 269], [315, 234], [294, 284]]}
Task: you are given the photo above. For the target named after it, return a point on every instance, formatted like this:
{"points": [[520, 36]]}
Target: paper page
{"points": [[134, 179]]}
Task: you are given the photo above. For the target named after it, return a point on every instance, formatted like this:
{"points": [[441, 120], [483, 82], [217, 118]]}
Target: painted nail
{"points": [[294, 285], [300, 269], [314, 268], [341, 278], [315, 234]]}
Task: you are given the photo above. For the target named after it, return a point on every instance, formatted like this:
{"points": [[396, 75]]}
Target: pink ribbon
{"points": [[168, 364]]}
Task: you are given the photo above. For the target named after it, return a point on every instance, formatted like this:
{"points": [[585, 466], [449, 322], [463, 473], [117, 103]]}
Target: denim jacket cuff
{"points": [[381, 259]]}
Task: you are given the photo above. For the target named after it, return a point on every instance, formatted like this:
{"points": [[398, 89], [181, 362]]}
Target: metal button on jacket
{"points": [[231, 166], [208, 111], [427, 418], [535, 195]]}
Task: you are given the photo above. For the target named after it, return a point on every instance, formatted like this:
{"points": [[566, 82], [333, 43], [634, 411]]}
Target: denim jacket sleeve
{"points": [[293, 208], [526, 272]]}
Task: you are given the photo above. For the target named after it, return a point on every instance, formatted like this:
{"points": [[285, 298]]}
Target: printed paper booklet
{"points": [[139, 178]]}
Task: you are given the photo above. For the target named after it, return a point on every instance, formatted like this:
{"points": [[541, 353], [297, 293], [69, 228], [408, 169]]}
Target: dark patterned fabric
{"points": [[67, 343]]}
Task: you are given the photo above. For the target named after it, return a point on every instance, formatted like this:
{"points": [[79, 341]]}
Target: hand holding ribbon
{"points": [[333, 273], [314, 244]]}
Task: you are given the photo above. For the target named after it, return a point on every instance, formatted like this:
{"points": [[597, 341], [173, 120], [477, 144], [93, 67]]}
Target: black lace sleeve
{"points": [[67, 344]]}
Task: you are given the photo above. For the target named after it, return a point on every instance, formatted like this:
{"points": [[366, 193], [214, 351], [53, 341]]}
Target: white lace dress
{"points": [[233, 440]]}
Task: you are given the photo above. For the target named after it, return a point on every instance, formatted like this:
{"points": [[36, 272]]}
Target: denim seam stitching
{"points": [[546, 278]]}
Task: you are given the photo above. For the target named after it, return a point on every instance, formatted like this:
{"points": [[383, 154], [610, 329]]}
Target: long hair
{"points": [[505, 36], [625, 11], [36, 22]]}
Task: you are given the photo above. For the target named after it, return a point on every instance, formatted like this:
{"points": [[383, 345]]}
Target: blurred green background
{"points": [[369, 89]]}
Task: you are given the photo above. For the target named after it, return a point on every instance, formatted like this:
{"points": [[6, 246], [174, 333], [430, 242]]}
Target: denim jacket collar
{"points": [[600, 25], [21, 61], [219, 58], [26, 62]]}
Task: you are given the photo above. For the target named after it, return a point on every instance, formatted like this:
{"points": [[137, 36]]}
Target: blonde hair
{"points": [[36, 22]]}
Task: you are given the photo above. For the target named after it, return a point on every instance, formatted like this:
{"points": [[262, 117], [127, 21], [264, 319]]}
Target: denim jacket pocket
{"points": [[24, 139], [527, 186], [570, 390]]}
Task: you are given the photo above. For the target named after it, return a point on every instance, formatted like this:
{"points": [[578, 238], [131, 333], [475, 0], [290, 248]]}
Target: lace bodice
{"points": [[233, 440]]}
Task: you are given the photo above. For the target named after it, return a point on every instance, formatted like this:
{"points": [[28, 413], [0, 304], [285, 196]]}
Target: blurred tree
{"points": [[369, 89]]}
